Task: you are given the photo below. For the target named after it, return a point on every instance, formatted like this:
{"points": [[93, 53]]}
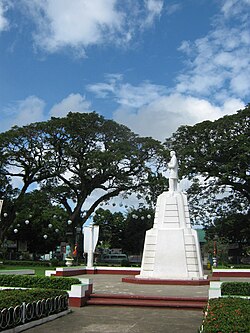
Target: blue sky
{"points": [[152, 65]]}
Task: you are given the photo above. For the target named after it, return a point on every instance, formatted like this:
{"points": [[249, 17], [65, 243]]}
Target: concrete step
{"points": [[149, 301]]}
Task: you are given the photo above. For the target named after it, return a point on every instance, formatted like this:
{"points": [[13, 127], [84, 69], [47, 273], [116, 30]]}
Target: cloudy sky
{"points": [[152, 65]]}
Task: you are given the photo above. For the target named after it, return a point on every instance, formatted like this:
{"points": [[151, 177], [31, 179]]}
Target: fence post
{"points": [[24, 312]]}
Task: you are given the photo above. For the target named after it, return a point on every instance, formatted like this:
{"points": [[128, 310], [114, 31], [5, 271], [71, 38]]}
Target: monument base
{"points": [[171, 249], [153, 281]]}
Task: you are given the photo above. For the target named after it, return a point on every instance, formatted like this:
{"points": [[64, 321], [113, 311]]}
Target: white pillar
{"points": [[1, 205], [90, 261]]}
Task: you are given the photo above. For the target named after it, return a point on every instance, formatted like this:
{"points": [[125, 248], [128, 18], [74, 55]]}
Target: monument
{"points": [[171, 248]]}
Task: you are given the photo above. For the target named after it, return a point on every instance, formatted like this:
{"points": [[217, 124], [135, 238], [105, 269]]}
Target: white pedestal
{"points": [[171, 249]]}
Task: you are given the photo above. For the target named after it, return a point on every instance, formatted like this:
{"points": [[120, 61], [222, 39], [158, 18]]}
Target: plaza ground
{"points": [[124, 319]]}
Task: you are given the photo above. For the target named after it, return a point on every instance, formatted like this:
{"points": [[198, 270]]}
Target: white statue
{"points": [[173, 175]]}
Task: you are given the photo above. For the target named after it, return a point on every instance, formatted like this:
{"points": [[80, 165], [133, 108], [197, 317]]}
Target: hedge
{"points": [[27, 281], [235, 288], [227, 315], [13, 297], [26, 263]]}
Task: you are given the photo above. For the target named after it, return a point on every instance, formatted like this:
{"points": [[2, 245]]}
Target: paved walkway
{"points": [[114, 319]]}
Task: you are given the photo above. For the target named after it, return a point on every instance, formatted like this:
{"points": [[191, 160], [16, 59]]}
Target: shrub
{"points": [[26, 263], [27, 281], [227, 315], [235, 288], [57, 263], [15, 297]]}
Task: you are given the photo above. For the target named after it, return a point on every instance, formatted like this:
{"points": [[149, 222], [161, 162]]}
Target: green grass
{"points": [[39, 270]]}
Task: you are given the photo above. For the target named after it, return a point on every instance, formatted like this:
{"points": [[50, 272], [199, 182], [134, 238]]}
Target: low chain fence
{"points": [[27, 312]]}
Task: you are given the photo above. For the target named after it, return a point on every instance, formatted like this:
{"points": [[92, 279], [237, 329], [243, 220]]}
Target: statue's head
{"points": [[172, 153]]}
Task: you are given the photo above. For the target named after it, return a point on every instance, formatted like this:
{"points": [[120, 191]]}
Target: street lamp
{"points": [[215, 251]]}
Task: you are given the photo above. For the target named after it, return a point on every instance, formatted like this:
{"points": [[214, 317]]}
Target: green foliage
{"points": [[235, 288], [14, 297], [216, 156], [26, 281], [221, 246], [136, 225], [26, 263], [234, 228], [37, 208], [111, 227], [227, 315], [72, 157]]}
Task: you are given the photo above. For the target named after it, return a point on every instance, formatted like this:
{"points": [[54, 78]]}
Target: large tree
{"points": [[216, 157], [80, 160]]}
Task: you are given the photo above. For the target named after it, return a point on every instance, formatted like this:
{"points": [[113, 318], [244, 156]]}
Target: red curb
{"points": [[166, 282]]}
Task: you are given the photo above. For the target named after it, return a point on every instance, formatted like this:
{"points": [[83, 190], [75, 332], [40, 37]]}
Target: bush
{"points": [[57, 263], [235, 288], [125, 263], [26, 263], [227, 315], [16, 297], [27, 281]]}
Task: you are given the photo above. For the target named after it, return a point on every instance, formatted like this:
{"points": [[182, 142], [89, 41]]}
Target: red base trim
{"points": [[70, 273], [96, 271], [116, 272], [165, 282], [77, 302]]}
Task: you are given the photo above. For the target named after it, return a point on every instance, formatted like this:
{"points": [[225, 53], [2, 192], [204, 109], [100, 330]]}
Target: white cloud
{"points": [[126, 94], [165, 114], [173, 8], [81, 23], [214, 82], [234, 7], [32, 109], [220, 60], [23, 112], [4, 23], [73, 103], [152, 110], [154, 10]]}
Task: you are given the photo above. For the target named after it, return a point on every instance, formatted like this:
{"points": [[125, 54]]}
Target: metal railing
{"points": [[26, 312]]}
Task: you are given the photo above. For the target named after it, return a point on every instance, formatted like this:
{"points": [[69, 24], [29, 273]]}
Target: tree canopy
{"points": [[215, 155], [80, 161]]}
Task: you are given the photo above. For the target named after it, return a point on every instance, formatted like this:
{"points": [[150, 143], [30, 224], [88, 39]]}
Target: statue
{"points": [[173, 175]]}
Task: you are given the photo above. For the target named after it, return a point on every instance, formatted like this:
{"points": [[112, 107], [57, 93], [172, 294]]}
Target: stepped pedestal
{"points": [[171, 249]]}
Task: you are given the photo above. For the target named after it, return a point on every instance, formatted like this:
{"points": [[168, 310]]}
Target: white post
{"points": [[90, 260], [1, 205]]}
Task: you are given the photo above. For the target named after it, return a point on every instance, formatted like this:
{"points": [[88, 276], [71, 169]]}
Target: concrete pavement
{"points": [[123, 319]]}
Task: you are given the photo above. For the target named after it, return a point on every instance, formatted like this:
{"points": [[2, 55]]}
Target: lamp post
{"points": [[215, 251]]}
